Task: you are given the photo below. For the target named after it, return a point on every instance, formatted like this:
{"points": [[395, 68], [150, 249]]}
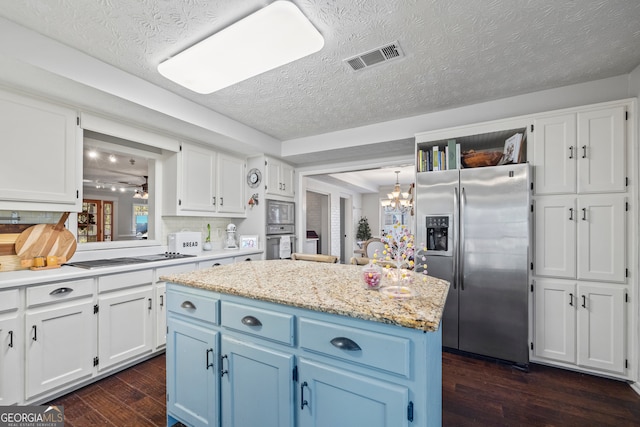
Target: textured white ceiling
{"points": [[458, 52]]}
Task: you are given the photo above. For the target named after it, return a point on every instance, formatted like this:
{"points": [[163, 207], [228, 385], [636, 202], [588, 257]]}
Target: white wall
{"points": [[610, 89]]}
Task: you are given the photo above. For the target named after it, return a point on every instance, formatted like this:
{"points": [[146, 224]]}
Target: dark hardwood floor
{"points": [[475, 393]]}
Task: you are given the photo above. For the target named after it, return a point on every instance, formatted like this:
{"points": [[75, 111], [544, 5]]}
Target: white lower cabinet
{"points": [[580, 323], [125, 317], [11, 344], [60, 338], [10, 371], [160, 300], [236, 362]]}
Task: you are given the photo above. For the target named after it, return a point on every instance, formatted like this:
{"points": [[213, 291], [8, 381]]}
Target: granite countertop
{"points": [[329, 288]]}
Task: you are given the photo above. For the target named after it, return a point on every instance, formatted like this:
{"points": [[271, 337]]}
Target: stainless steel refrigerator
{"points": [[476, 226]]}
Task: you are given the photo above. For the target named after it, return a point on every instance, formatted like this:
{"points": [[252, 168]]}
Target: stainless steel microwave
{"points": [[280, 213]]}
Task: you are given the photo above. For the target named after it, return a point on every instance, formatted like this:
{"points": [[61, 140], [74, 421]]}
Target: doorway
{"points": [[346, 227], [318, 220]]}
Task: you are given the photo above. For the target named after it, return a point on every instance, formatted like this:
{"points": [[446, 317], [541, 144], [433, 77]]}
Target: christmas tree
{"points": [[364, 232]]}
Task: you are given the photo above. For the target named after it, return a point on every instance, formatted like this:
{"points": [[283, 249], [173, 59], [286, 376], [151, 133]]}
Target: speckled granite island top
{"points": [[329, 288]]}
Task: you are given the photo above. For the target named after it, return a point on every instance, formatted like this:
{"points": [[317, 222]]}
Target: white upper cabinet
{"points": [[554, 153], [279, 178], [230, 192], [582, 152], [198, 179], [601, 150], [201, 182], [41, 155]]}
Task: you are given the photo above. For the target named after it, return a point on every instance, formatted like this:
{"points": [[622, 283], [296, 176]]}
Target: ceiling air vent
{"points": [[375, 56]]}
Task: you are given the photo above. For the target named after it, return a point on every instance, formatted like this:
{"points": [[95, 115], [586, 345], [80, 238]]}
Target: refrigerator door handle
{"points": [[463, 203], [456, 216]]}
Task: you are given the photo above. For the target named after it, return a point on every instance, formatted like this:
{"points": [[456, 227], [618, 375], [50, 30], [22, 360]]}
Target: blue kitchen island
{"points": [[293, 343]]}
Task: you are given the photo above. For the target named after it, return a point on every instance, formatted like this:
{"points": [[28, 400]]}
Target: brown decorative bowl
{"points": [[478, 159]]}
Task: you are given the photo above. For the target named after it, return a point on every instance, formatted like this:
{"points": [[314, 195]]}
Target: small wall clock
{"points": [[254, 177]]}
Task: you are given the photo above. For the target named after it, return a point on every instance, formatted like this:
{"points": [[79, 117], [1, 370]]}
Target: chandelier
{"points": [[398, 201]]}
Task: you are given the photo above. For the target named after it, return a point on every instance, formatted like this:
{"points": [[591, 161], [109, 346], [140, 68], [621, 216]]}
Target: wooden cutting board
{"points": [[45, 240]]}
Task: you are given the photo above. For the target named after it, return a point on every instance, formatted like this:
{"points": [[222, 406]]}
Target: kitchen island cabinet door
{"points": [[193, 369], [60, 346], [10, 372], [125, 327], [331, 396], [259, 378], [41, 155]]}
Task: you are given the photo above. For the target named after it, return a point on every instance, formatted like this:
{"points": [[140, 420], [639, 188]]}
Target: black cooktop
{"points": [[115, 262]]}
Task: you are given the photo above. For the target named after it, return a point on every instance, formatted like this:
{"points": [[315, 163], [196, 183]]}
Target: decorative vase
{"points": [[371, 276]]}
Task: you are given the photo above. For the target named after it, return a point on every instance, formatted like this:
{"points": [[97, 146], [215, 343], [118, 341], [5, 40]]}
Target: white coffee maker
{"points": [[230, 242]]}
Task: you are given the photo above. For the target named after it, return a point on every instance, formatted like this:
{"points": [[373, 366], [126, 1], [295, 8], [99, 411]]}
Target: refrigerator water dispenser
{"points": [[438, 239]]}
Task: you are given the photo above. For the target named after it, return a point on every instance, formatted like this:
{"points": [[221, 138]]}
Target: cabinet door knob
{"points": [[188, 305], [251, 321], [345, 344]]}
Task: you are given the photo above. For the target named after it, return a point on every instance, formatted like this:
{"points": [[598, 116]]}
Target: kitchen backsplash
{"points": [[176, 223], [169, 224], [29, 217]]}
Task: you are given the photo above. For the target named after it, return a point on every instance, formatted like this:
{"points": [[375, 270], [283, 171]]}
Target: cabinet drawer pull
{"points": [[213, 201], [251, 321], [161, 300], [570, 214], [188, 305], [221, 201], [584, 151], [35, 333], [60, 291], [571, 152], [345, 344], [209, 364], [571, 300], [584, 214], [150, 307], [584, 301], [10, 339], [303, 402]]}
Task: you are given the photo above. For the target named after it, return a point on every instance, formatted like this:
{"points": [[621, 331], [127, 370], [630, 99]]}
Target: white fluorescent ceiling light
{"points": [[271, 37]]}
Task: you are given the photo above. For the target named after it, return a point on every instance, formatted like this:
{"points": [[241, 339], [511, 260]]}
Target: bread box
{"points": [[185, 242]]}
